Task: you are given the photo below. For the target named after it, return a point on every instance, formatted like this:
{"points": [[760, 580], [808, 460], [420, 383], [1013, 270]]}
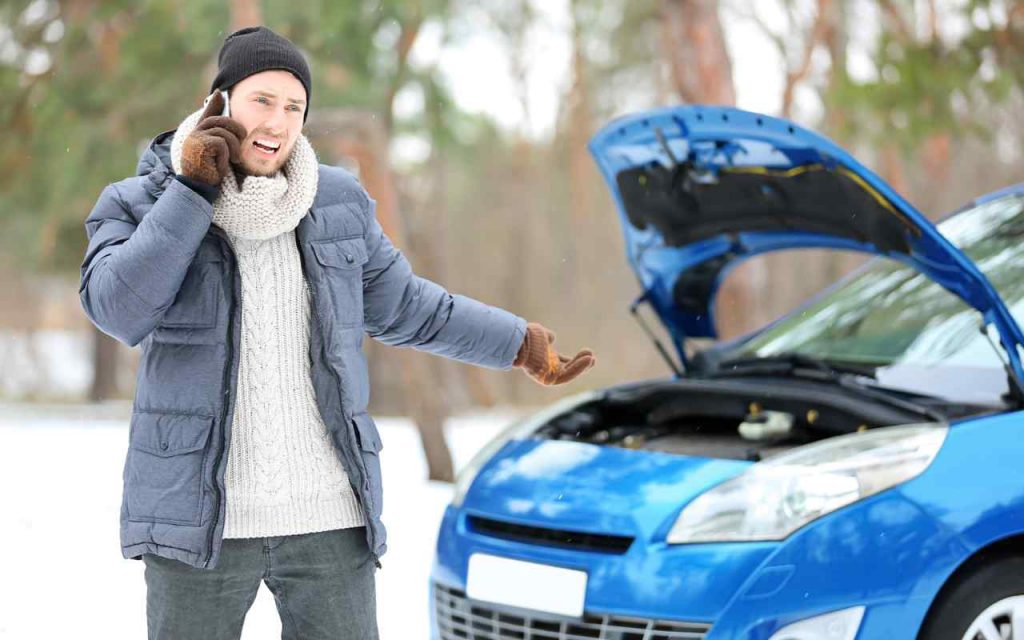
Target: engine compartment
{"points": [[741, 419]]}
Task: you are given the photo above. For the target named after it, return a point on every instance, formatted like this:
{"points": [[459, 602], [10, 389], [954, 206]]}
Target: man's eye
{"points": [[260, 98]]}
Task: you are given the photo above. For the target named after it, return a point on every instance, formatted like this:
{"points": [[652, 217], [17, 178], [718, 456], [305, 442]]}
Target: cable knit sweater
{"points": [[283, 475]]}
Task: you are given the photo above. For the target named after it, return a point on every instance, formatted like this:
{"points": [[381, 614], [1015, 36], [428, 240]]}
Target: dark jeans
{"points": [[323, 584]]}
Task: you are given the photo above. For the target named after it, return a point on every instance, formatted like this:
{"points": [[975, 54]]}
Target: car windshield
{"points": [[890, 314]]}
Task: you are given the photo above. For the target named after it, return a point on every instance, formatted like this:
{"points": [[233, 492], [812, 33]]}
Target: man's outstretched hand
{"points": [[541, 362], [216, 141]]}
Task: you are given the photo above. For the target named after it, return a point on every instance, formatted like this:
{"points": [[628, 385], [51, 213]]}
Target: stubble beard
{"points": [[246, 168]]}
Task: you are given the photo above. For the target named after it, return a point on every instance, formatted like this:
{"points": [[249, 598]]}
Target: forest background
{"points": [[468, 121]]}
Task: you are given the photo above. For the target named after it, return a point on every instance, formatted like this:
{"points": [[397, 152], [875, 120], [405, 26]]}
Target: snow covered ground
{"points": [[60, 497]]}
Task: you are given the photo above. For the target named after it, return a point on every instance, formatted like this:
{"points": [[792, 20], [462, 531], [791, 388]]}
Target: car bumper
{"points": [[883, 553]]}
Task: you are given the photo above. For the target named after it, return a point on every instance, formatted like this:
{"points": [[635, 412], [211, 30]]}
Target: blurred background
{"points": [[468, 121]]}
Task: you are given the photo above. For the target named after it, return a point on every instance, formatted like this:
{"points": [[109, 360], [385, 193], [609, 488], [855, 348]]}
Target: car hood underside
{"points": [[701, 189]]}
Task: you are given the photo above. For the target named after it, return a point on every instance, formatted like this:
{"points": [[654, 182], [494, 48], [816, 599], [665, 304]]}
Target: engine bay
{"points": [[741, 419]]}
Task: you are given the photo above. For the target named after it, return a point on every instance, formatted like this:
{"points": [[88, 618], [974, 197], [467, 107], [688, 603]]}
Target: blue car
{"points": [[854, 469]]}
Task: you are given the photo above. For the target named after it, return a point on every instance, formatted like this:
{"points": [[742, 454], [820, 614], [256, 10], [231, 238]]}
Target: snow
{"points": [[60, 496], [55, 362]]}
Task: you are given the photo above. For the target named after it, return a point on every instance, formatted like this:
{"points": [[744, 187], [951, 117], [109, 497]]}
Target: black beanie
{"points": [[255, 49]]}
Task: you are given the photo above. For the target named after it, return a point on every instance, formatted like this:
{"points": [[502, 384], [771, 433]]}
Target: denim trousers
{"points": [[322, 582]]}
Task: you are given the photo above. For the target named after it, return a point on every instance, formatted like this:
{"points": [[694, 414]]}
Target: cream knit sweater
{"points": [[283, 475]]}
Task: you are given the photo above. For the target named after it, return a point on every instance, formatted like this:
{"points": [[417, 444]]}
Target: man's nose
{"points": [[275, 123]]}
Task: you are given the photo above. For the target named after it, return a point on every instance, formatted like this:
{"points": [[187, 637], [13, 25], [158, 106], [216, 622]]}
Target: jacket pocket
{"points": [[164, 470], [370, 446], [343, 260], [195, 306]]}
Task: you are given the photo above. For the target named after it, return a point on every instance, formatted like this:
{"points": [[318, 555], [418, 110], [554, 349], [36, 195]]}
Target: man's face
{"points": [[270, 106]]}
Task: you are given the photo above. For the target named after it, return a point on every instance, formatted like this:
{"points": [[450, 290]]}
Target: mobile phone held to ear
{"points": [[227, 103]]}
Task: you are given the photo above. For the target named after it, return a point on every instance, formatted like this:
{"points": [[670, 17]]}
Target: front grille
{"points": [[550, 537], [459, 618]]}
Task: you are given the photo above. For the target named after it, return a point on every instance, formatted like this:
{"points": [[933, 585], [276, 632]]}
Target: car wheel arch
{"points": [[1011, 546]]}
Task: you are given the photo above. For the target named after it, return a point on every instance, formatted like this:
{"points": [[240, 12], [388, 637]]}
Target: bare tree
{"points": [[245, 13], [701, 70], [360, 137], [796, 42], [694, 47], [580, 126]]}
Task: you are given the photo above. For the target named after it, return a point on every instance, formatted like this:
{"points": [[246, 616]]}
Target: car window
{"points": [[891, 314]]}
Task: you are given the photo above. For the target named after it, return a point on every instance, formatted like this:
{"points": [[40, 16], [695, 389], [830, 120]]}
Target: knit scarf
{"points": [[264, 206]]}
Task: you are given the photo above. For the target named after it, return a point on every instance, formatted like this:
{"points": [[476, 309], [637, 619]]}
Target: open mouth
{"points": [[266, 147]]}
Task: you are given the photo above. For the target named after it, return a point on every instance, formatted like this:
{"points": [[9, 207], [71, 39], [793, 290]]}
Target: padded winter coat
{"points": [[159, 275]]}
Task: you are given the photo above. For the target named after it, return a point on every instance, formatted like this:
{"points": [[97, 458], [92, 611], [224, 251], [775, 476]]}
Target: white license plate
{"points": [[526, 584]]}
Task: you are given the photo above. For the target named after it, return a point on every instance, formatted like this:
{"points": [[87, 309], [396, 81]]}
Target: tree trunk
{"points": [[104, 367], [701, 72], [936, 156], [360, 137], [892, 169], [245, 13], [836, 39], [581, 171], [694, 46], [798, 73], [410, 30]]}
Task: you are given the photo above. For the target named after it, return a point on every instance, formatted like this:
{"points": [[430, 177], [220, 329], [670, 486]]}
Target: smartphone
{"points": [[227, 103]]}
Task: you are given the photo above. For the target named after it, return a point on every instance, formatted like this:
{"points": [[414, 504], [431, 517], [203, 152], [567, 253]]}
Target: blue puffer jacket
{"points": [[158, 274]]}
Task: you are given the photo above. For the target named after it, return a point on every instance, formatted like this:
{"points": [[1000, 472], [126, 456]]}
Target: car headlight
{"points": [[776, 497], [518, 429]]}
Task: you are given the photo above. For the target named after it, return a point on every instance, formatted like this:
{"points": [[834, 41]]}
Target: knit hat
{"points": [[255, 49]]}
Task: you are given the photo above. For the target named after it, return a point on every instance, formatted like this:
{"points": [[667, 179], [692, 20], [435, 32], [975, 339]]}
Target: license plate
{"points": [[526, 584]]}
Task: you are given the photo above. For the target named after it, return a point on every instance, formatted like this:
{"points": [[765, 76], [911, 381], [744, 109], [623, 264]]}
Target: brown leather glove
{"points": [[545, 365], [216, 141]]}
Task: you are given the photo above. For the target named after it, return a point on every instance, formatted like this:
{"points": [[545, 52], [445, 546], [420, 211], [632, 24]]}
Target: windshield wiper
{"points": [[792, 363], [842, 374]]}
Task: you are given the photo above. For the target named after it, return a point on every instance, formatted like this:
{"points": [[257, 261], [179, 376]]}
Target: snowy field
{"points": [[60, 499]]}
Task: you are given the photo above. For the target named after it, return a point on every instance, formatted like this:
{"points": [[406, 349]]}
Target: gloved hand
{"points": [[216, 141], [545, 365]]}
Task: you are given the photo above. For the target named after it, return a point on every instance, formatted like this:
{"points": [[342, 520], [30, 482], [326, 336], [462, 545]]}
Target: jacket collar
{"points": [[157, 154], [155, 163]]}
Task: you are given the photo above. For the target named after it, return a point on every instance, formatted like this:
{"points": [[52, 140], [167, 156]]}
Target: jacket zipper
{"points": [[323, 355], [229, 397]]}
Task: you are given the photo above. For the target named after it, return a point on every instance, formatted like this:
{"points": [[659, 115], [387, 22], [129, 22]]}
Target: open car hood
{"points": [[699, 189]]}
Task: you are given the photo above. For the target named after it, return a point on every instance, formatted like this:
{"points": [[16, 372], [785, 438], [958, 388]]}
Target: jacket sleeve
{"points": [[405, 310], [133, 270]]}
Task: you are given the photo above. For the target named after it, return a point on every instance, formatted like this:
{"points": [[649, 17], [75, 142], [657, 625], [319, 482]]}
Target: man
{"points": [[248, 272]]}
